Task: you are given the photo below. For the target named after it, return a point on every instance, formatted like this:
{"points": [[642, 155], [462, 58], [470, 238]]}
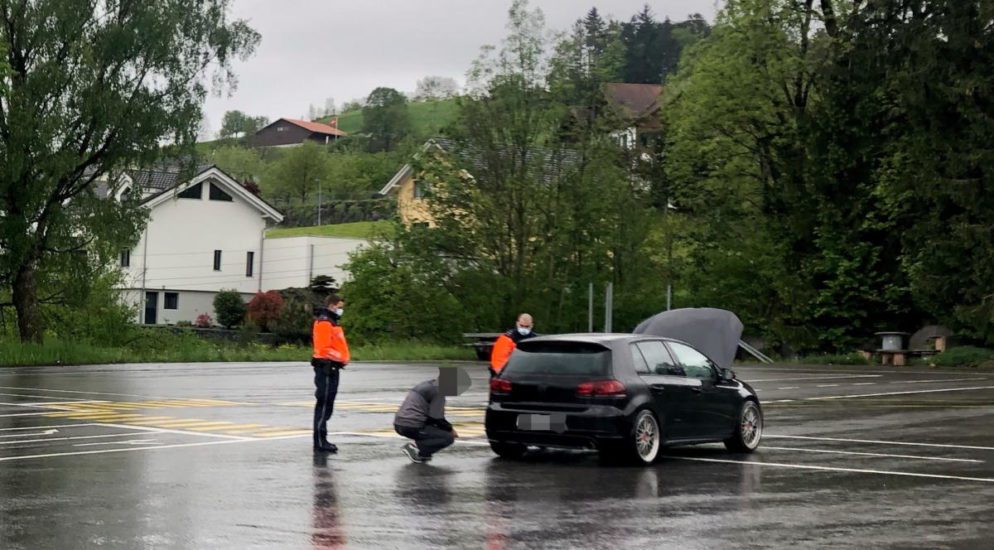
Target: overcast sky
{"points": [[315, 49]]}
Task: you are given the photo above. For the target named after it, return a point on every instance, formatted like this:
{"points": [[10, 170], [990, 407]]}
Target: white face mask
{"points": [[338, 311], [524, 330]]}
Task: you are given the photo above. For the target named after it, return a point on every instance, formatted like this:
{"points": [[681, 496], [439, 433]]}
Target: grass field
{"points": [[427, 117], [188, 348], [355, 230]]}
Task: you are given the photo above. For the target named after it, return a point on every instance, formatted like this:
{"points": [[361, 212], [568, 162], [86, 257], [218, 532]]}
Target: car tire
{"points": [[510, 451], [642, 445], [748, 429]]}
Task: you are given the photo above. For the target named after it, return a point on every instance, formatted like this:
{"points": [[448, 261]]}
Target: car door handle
{"points": [[657, 387], [696, 389]]}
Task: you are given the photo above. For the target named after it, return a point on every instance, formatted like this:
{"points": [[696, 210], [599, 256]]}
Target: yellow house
{"points": [[411, 193]]}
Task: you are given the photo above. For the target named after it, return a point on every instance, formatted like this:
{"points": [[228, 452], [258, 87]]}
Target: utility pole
{"points": [[319, 200]]}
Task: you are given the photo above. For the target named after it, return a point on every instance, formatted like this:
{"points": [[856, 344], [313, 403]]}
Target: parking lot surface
{"points": [[219, 456]]}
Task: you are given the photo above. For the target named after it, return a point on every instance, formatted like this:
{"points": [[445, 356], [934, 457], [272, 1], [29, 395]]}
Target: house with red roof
{"points": [[289, 132]]}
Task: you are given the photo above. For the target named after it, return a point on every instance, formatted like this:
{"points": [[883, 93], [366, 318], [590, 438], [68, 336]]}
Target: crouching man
{"points": [[421, 417]]}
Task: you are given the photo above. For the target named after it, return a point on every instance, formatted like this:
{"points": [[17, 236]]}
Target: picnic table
{"points": [[483, 342]]}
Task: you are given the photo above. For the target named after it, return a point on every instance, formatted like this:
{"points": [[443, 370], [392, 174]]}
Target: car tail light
{"points": [[500, 385], [600, 388]]}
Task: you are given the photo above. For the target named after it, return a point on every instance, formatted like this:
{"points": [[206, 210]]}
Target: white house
{"points": [[203, 235], [208, 234]]}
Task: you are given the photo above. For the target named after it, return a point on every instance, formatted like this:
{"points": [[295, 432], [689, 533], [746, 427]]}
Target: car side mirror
{"points": [[726, 374]]}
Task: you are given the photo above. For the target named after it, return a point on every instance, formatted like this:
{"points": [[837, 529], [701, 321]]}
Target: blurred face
{"points": [[525, 323]]}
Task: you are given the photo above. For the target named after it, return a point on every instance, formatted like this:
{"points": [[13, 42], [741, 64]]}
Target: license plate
{"points": [[542, 422], [535, 422]]}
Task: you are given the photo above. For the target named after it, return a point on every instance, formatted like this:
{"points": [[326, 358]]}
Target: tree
{"points": [[91, 90], [435, 87], [299, 173], [239, 124], [385, 119], [653, 48], [230, 308], [329, 107], [240, 163], [524, 218]]}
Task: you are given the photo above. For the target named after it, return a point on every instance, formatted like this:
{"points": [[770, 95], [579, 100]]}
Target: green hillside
{"points": [[427, 117], [354, 230]]}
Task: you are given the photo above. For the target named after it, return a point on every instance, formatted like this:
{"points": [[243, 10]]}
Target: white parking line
{"points": [[829, 468], [788, 388], [826, 377], [136, 449], [828, 385], [864, 383], [939, 380], [67, 438], [63, 399], [47, 426], [881, 455], [25, 414], [183, 432], [879, 442], [78, 391], [898, 393]]}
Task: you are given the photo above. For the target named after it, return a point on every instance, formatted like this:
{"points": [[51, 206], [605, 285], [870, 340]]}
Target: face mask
{"points": [[524, 330], [338, 311]]}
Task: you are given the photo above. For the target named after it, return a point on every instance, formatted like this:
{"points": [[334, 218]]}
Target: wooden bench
{"points": [[483, 342]]}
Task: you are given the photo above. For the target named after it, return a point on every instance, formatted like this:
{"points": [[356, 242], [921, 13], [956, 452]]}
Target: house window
{"points": [[125, 258], [420, 189], [172, 300], [249, 261], [217, 260], [281, 128], [194, 192], [216, 194]]}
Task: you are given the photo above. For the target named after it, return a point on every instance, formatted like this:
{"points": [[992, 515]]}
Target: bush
{"points": [[264, 308], [294, 321], [229, 308], [834, 359], [203, 321], [963, 356]]}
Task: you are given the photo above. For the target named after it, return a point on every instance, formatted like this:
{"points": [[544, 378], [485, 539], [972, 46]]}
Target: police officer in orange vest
{"points": [[506, 343], [331, 354]]}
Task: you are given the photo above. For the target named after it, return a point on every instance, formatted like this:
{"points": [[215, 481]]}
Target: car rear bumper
{"points": [[593, 428]]}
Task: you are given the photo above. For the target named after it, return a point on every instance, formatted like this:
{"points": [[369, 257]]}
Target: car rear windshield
{"points": [[560, 358]]}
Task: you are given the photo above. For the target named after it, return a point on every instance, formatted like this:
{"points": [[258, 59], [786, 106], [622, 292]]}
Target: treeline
{"points": [[532, 196], [823, 169]]}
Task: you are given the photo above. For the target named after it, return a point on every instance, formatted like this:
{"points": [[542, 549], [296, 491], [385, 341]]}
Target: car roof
{"points": [[602, 338], [606, 339]]}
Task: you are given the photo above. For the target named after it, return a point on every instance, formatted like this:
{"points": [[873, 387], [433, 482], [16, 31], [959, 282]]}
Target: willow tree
{"points": [[91, 87]]}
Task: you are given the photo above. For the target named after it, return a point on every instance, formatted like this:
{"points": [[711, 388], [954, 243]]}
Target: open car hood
{"points": [[714, 332]]}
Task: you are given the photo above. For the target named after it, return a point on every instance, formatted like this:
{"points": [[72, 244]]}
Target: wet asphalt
{"points": [[218, 456]]}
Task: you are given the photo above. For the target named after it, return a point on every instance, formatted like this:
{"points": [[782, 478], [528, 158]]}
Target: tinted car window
{"points": [[559, 358], [696, 363], [659, 359], [638, 361]]}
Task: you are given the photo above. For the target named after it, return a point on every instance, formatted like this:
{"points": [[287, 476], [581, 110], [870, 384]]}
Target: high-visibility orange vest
{"points": [[501, 352], [329, 341]]}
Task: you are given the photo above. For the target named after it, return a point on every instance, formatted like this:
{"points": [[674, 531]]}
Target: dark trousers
{"points": [[326, 382], [429, 439]]}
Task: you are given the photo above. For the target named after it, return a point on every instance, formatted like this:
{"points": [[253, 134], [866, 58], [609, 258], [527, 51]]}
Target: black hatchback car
{"points": [[624, 395]]}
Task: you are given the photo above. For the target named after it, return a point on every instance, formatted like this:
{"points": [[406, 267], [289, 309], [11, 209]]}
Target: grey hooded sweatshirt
{"points": [[424, 405]]}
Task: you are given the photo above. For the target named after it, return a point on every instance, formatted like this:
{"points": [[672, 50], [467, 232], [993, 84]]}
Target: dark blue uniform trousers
{"points": [[326, 382]]}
